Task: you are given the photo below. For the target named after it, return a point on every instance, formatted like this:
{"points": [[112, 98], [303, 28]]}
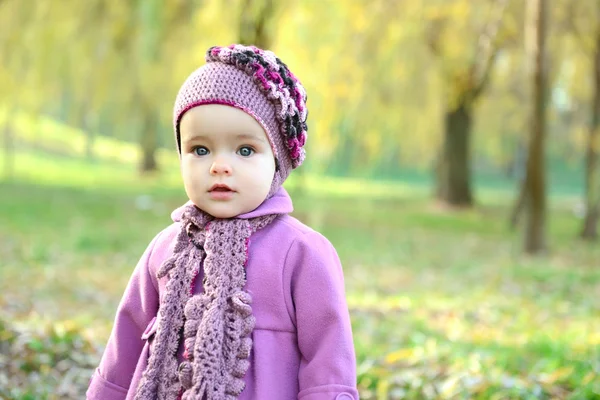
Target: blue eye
{"points": [[245, 151], [200, 151]]}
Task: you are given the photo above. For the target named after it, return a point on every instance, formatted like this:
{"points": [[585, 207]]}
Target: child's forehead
{"points": [[213, 121]]}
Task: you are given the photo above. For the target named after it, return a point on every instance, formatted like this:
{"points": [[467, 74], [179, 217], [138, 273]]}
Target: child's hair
{"points": [[259, 83]]}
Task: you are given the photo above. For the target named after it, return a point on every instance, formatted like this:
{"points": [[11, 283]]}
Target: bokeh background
{"points": [[452, 160]]}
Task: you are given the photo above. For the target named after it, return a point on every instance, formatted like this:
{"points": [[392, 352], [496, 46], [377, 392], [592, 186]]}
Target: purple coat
{"points": [[302, 340]]}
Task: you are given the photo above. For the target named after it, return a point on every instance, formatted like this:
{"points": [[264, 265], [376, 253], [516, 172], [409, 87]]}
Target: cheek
{"points": [[185, 168], [268, 173], [190, 170]]}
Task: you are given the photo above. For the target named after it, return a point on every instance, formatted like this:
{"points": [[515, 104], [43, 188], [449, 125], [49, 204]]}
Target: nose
{"points": [[220, 167]]}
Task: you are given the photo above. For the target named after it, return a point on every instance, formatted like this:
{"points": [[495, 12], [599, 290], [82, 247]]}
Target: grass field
{"points": [[443, 304]]}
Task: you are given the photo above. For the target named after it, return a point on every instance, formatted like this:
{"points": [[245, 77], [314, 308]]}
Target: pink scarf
{"points": [[216, 324]]}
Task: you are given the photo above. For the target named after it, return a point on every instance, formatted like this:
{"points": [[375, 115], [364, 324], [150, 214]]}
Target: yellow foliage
{"points": [[589, 378], [400, 355], [557, 375], [460, 10]]}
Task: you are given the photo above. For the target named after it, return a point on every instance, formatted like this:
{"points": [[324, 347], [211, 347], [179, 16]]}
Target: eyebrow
{"points": [[246, 136], [250, 137]]}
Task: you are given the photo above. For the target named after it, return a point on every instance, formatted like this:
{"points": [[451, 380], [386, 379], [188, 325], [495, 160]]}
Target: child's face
{"points": [[224, 145]]}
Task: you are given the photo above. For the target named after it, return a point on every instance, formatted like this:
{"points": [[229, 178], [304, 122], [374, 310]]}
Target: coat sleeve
{"points": [[136, 310], [328, 363]]}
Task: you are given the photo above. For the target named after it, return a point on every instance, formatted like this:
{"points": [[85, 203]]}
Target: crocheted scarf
{"points": [[216, 323]]}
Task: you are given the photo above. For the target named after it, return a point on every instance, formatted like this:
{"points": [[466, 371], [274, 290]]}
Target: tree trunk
{"points": [[88, 113], [518, 206], [89, 141], [86, 126], [453, 169], [9, 149], [440, 187], [592, 183], [453, 185], [254, 24], [590, 223], [151, 25], [519, 171], [149, 142], [535, 180]]}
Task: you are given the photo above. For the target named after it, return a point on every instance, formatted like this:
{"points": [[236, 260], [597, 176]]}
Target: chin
{"points": [[223, 214]]}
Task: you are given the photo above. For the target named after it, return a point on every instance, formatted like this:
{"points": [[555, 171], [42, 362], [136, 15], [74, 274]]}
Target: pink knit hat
{"points": [[259, 83]]}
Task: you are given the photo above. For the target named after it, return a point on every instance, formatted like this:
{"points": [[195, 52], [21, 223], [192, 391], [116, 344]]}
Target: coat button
{"points": [[344, 396]]}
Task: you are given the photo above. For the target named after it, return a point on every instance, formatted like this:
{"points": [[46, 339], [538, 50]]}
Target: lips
{"points": [[221, 192], [219, 187]]}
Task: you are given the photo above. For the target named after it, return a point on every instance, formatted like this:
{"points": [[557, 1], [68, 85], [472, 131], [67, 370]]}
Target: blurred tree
{"points": [[466, 76], [89, 88], [151, 25], [584, 21], [6, 81], [144, 38], [592, 181], [535, 181], [256, 22], [373, 104], [8, 148], [500, 120], [13, 68], [392, 93]]}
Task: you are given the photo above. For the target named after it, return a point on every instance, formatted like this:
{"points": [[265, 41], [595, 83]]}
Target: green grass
{"points": [[443, 304]]}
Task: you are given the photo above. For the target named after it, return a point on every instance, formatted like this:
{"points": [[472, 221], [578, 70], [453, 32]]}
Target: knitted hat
{"points": [[259, 83]]}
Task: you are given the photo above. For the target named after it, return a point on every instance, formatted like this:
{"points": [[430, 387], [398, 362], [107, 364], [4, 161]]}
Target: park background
{"points": [[452, 160]]}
